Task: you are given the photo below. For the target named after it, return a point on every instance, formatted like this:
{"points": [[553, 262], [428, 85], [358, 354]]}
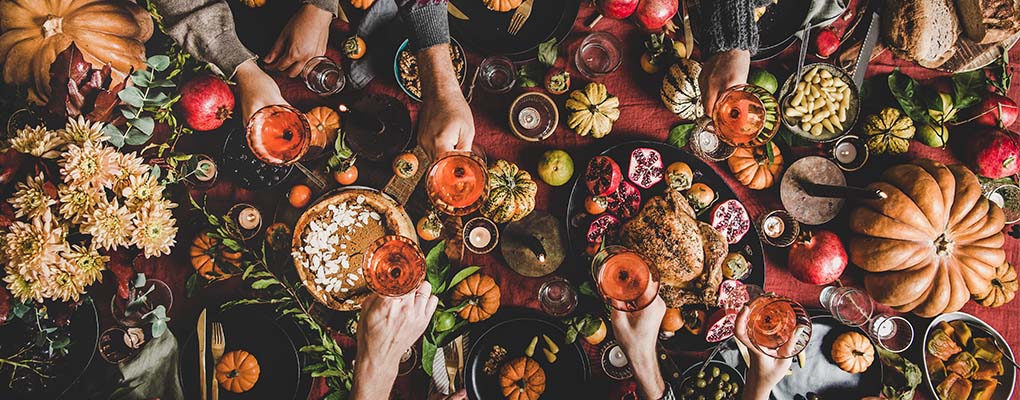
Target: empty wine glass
{"points": [[850, 306]]}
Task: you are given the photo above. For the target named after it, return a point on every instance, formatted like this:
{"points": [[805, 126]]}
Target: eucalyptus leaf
{"points": [[113, 135], [141, 78], [129, 113], [135, 137], [140, 278], [144, 124], [162, 83], [155, 172], [157, 100], [158, 62], [132, 96], [158, 328]]}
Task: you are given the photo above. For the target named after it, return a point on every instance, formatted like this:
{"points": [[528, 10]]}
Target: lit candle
{"points": [[479, 237], [884, 327], [846, 152], [773, 226], [249, 218], [205, 170], [617, 358], [529, 118]]}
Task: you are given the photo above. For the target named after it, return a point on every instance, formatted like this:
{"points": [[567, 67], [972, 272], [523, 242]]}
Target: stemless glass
{"points": [[892, 332], [497, 74], [850, 306], [323, 76], [557, 298], [157, 293], [598, 55], [778, 326], [1007, 197], [457, 183], [394, 266], [626, 279]]}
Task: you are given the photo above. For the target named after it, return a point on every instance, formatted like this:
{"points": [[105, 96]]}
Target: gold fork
{"points": [[219, 343], [520, 17]]}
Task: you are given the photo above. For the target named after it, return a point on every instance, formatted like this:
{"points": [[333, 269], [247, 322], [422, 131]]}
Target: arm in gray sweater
{"points": [[731, 25]]}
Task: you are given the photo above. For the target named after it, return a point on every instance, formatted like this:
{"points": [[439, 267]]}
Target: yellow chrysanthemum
{"points": [[90, 164], [130, 165], [30, 199], [31, 249], [65, 286], [155, 229], [86, 263], [140, 190], [109, 224], [22, 289], [81, 131], [37, 141], [77, 202]]}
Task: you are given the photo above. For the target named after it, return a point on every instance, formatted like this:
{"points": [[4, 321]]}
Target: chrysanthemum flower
{"points": [[140, 190], [30, 198], [37, 141], [86, 263], [90, 164], [81, 131], [109, 224], [130, 165], [155, 229], [77, 202], [33, 248]]}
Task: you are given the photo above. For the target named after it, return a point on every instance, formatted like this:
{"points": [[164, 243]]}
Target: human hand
{"points": [[722, 71], [764, 372], [638, 333], [304, 37], [255, 89], [444, 122]]}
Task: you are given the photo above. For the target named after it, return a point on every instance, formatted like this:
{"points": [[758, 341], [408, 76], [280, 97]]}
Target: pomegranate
{"points": [[602, 176], [652, 15], [626, 201], [993, 153], [996, 109], [616, 9], [206, 101], [731, 219], [817, 257], [826, 43], [733, 294], [721, 325], [604, 225], [645, 168]]}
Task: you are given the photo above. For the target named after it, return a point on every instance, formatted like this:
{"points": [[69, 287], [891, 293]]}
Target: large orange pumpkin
{"points": [[522, 379], [208, 258], [238, 371], [35, 31], [853, 352], [751, 166], [932, 244], [1002, 289], [482, 296]]}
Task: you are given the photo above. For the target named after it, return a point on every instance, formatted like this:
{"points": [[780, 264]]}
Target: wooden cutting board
{"points": [[971, 56]]}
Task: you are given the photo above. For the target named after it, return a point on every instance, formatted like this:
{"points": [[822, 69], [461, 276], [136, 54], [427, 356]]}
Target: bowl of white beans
{"points": [[822, 105]]}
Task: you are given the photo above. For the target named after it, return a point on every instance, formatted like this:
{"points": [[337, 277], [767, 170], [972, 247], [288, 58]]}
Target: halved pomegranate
{"points": [[626, 201], [730, 218], [645, 168], [602, 176], [721, 325], [733, 294], [604, 225]]}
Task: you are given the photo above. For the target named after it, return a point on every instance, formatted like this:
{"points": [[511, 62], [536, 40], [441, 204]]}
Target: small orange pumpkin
{"points": [[482, 296], [522, 379], [853, 352], [751, 166], [238, 371], [324, 122], [502, 5], [207, 257], [1002, 289], [362, 4]]}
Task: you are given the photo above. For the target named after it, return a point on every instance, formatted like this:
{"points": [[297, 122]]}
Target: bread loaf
{"points": [[971, 19], [924, 31], [1001, 19]]}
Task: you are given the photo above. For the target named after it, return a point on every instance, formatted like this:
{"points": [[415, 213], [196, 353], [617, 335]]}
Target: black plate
{"points": [[486, 30], [820, 375], [777, 28], [84, 340], [273, 343], [750, 245], [513, 329], [243, 168]]}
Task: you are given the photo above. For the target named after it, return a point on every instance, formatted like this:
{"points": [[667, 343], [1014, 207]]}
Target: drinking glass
{"points": [[497, 74], [279, 134], [394, 266], [113, 345], [850, 306], [1007, 197], [778, 326], [557, 298], [457, 183], [626, 279], [323, 76], [892, 332], [598, 55], [157, 293]]}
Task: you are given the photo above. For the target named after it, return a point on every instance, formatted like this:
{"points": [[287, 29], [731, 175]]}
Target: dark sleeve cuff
{"points": [[429, 25], [227, 52], [326, 5], [731, 26]]}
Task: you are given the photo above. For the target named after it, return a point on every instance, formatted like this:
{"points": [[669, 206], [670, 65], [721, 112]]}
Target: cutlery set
{"points": [[517, 20], [217, 345]]}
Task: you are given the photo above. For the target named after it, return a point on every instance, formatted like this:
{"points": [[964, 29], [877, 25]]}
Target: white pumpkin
{"points": [[680, 92]]}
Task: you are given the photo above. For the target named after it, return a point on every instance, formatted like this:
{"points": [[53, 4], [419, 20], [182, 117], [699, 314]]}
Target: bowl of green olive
{"points": [[718, 381]]}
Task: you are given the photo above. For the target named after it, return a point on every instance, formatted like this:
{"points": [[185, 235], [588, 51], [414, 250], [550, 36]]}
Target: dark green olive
{"points": [[719, 395], [701, 397], [689, 391], [734, 387]]}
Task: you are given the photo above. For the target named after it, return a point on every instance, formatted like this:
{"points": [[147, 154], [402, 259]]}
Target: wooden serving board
{"points": [[971, 56]]}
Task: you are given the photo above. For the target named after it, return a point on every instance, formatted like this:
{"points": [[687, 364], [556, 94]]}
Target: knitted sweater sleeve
{"points": [[205, 28], [427, 20], [731, 25]]}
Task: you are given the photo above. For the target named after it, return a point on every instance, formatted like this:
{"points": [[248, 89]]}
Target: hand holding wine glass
{"points": [[765, 371], [638, 333]]}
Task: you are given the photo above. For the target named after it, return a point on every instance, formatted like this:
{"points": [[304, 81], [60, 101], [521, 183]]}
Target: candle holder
{"points": [[115, 345], [614, 362], [201, 172], [247, 218], [480, 235], [706, 144], [778, 228], [533, 116], [850, 153]]}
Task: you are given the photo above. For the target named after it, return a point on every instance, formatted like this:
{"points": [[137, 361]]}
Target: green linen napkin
{"points": [[824, 12], [153, 373]]}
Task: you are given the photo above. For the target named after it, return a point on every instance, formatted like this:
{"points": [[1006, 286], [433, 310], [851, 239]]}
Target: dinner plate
{"points": [[750, 245], [1007, 382], [820, 375], [486, 31], [84, 324], [513, 329], [274, 343]]}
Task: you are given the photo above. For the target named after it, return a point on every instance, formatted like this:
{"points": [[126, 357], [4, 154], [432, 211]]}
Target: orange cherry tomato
{"points": [[347, 176], [595, 205], [299, 196]]}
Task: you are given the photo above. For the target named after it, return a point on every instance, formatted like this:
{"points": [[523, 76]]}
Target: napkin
{"points": [[153, 372], [824, 12], [373, 22]]}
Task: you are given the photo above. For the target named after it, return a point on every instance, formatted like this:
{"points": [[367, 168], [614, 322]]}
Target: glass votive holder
{"points": [[778, 228], [480, 235], [247, 218], [850, 153], [1007, 197], [598, 55]]}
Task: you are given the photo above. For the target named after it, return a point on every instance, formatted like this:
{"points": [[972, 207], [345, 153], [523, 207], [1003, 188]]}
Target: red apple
{"points": [[652, 15], [206, 101], [826, 43], [994, 109], [817, 257], [992, 153], [616, 9]]}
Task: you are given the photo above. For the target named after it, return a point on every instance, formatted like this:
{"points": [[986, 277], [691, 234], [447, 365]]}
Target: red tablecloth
{"points": [[642, 117]]}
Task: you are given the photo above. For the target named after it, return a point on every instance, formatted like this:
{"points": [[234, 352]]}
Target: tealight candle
{"points": [[205, 170], [249, 218], [479, 237], [846, 152], [709, 142], [773, 226], [617, 358], [529, 118]]}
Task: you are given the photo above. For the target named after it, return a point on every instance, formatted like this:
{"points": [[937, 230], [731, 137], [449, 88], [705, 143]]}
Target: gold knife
{"points": [[455, 12], [201, 353], [688, 34]]}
